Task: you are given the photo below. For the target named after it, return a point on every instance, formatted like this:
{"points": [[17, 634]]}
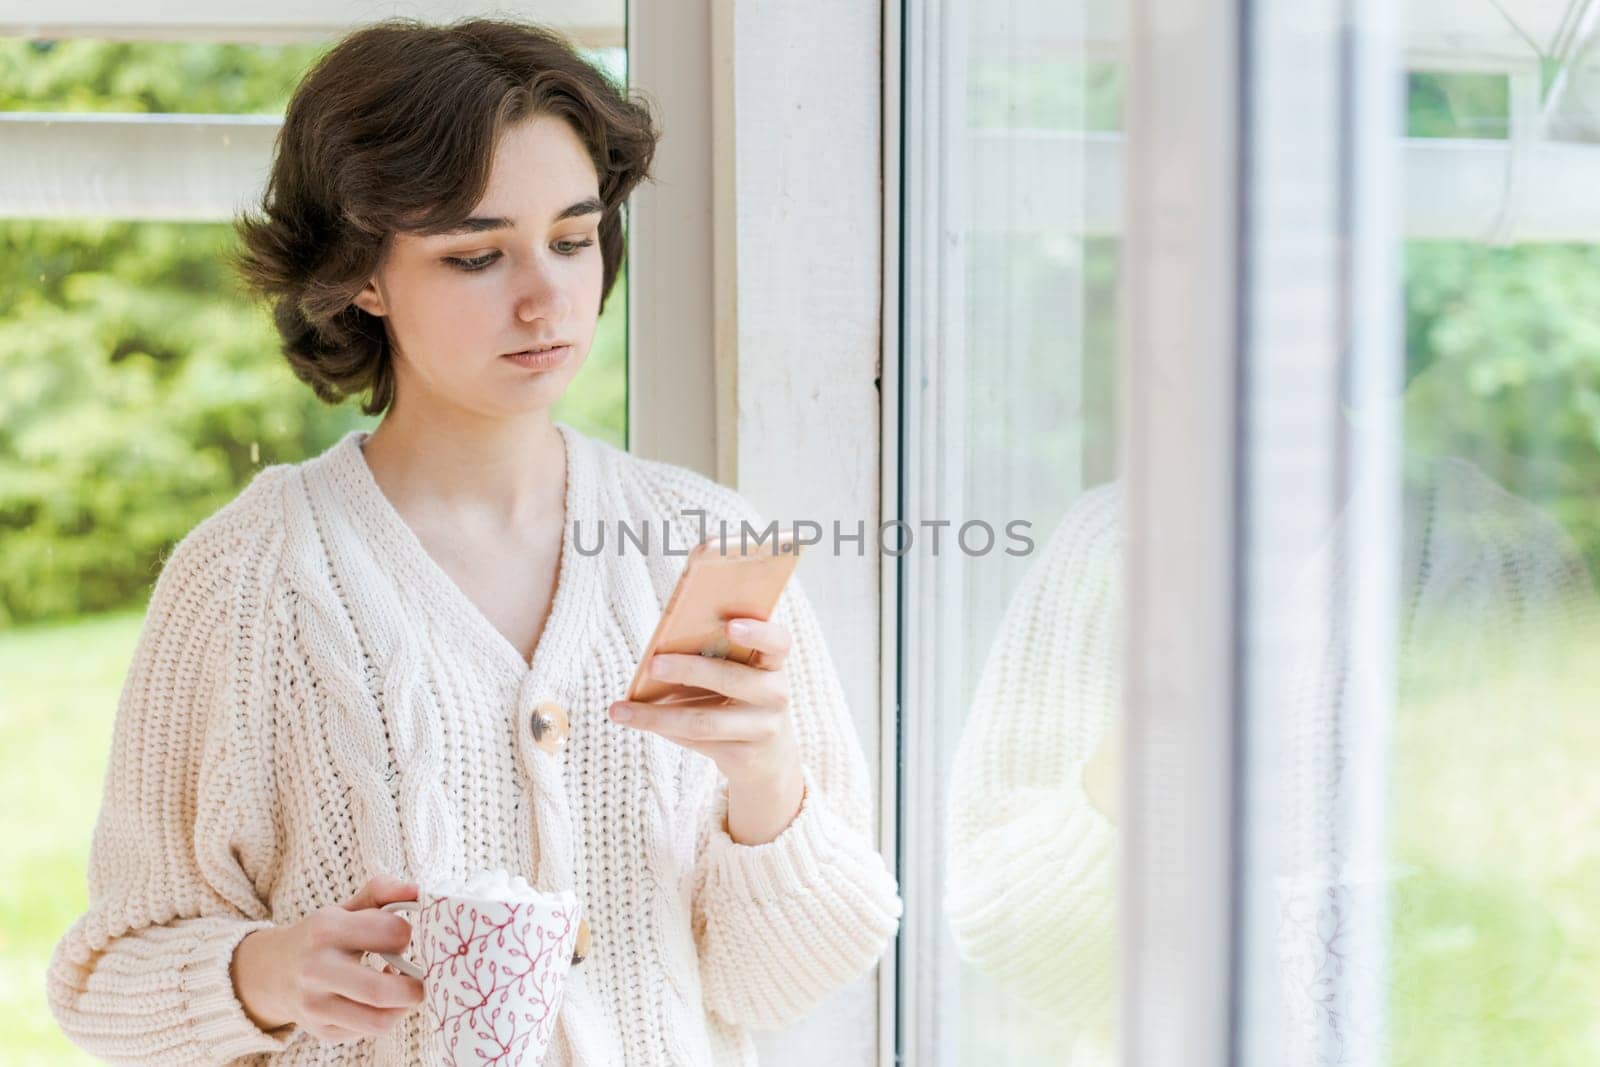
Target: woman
{"points": [[402, 660]]}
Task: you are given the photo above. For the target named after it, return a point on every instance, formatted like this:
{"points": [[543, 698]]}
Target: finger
{"points": [[372, 930], [374, 988], [737, 681], [769, 639], [702, 724], [362, 1019], [380, 890]]}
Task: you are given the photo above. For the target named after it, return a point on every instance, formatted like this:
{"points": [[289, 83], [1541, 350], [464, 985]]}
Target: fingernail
{"points": [[738, 630], [621, 713]]}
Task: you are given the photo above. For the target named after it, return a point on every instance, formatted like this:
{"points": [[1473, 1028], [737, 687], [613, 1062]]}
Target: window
{"points": [[1313, 530], [141, 391]]}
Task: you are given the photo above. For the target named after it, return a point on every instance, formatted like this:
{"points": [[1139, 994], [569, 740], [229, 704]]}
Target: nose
{"points": [[539, 293]]}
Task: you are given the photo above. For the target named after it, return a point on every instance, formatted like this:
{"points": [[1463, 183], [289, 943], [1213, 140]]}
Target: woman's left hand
{"points": [[750, 736]]}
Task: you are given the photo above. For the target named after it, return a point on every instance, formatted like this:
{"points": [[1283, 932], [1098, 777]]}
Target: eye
{"points": [[475, 263], [571, 248]]}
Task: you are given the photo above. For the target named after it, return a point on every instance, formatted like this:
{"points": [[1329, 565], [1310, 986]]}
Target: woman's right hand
{"points": [[310, 973]]}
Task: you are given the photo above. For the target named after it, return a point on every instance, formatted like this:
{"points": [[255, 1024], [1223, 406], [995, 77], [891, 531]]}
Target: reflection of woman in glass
{"points": [[1031, 834], [387, 665], [1493, 594]]}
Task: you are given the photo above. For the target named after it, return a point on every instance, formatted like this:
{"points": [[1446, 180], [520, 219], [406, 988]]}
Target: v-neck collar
{"points": [[575, 581]]}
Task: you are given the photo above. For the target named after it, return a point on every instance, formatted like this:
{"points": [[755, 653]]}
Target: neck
{"points": [[497, 474]]}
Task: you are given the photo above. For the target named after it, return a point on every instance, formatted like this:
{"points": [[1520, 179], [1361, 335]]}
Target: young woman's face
{"points": [[524, 273]]}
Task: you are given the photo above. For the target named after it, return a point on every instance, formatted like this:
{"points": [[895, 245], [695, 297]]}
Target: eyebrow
{"points": [[480, 224]]}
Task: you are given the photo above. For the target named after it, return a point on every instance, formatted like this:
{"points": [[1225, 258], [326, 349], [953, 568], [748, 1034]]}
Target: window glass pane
{"points": [[1011, 582], [1428, 796], [140, 390], [1494, 843], [1487, 689]]}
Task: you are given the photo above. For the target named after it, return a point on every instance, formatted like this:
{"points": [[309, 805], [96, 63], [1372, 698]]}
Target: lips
{"points": [[540, 359], [536, 349]]}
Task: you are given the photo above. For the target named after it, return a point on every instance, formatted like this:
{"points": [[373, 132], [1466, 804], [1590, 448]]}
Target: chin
{"points": [[530, 397]]}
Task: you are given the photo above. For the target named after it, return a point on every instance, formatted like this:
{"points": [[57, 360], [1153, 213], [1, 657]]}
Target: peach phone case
{"points": [[720, 581]]}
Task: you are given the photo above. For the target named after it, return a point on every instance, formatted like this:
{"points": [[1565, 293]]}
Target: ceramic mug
{"points": [[493, 960]]}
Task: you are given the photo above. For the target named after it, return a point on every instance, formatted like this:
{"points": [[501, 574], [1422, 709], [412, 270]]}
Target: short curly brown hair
{"points": [[394, 130]]}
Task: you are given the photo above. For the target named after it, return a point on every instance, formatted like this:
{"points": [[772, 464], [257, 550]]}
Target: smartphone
{"points": [[723, 578]]}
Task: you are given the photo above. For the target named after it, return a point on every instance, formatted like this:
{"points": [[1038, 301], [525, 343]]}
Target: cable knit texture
{"points": [[313, 701]]}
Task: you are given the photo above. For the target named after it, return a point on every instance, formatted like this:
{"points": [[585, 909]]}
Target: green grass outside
{"points": [[1496, 849], [58, 698]]}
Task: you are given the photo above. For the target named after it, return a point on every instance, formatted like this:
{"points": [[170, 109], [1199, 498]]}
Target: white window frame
{"points": [[800, 298], [1179, 377], [890, 773], [1261, 222]]}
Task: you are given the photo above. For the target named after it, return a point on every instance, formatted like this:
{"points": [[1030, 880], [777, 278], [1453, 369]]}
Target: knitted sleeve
{"points": [[1032, 867], [781, 925], [185, 832]]}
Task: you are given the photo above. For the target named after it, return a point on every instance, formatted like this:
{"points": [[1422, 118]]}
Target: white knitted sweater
{"points": [[313, 701]]}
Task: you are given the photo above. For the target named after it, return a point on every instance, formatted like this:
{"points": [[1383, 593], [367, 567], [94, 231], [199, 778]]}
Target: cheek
{"points": [[593, 276], [587, 281], [440, 322], [458, 309]]}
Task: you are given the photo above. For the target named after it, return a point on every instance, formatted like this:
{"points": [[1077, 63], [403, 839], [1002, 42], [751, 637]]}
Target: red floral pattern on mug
{"points": [[493, 975]]}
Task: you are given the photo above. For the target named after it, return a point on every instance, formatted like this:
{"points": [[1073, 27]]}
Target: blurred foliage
{"points": [[1502, 345], [140, 388], [1503, 353], [139, 393], [1473, 105], [151, 77]]}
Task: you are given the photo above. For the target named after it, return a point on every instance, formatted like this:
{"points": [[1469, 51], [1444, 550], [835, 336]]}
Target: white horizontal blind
{"points": [[173, 168], [1453, 190], [197, 167], [593, 24]]}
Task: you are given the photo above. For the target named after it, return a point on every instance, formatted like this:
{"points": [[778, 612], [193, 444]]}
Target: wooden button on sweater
{"points": [[550, 727]]}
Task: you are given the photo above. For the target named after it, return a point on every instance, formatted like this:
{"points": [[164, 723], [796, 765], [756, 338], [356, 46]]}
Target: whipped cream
{"points": [[496, 885]]}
